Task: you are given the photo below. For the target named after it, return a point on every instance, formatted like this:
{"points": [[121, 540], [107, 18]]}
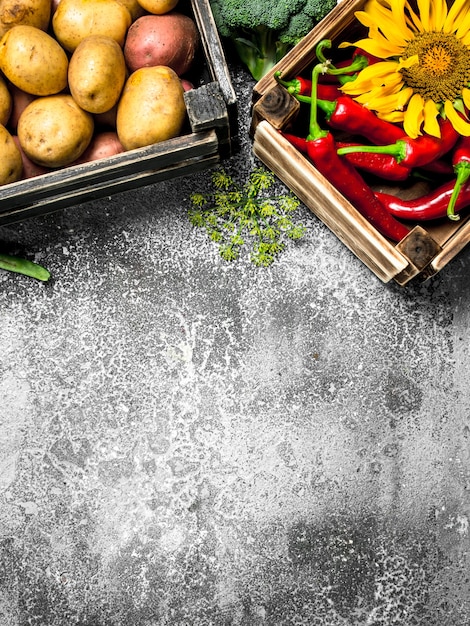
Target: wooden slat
{"points": [[213, 49], [128, 170], [453, 246], [49, 204], [374, 250]]}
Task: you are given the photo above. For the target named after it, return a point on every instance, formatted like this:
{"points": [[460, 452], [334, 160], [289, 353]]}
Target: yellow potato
{"points": [[134, 8], [11, 163], [6, 102], [97, 72], [33, 61], [54, 131], [74, 20], [158, 7], [31, 12], [151, 108]]}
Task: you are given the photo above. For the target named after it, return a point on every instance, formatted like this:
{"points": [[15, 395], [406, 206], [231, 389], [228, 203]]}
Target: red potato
{"points": [[30, 169], [107, 119], [171, 39], [187, 85], [20, 100], [103, 145]]}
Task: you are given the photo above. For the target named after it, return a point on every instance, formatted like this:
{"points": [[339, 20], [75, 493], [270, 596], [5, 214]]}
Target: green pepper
{"points": [[23, 266]]}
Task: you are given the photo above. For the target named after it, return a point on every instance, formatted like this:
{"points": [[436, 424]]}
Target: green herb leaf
{"points": [[236, 215]]}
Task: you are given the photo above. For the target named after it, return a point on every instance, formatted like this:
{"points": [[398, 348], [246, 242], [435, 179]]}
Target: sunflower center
{"points": [[443, 67]]}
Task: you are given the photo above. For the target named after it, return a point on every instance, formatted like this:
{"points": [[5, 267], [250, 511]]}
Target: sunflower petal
{"points": [[464, 27], [414, 116], [380, 48], [404, 97], [456, 13], [374, 75], [457, 121], [396, 117], [412, 19], [399, 16], [405, 63], [383, 18], [466, 97], [431, 125], [424, 8], [384, 103], [438, 14]]}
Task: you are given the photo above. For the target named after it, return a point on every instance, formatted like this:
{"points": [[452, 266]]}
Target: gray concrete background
{"points": [[189, 442]]}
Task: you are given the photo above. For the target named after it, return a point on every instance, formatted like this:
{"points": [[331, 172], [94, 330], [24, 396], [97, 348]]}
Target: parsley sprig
{"points": [[234, 215]]}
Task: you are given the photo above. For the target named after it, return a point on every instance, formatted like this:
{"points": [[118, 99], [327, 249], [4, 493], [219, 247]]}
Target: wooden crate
{"points": [[207, 139], [422, 253]]}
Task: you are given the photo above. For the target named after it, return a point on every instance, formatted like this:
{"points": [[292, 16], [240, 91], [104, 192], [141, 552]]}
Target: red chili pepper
{"points": [[440, 166], [432, 206], [381, 165], [322, 152], [303, 87], [298, 142], [416, 152], [347, 115], [461, 165]]}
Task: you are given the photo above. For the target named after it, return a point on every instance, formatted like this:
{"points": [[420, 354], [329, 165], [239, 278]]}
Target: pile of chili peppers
{"points": [[354, 146]]}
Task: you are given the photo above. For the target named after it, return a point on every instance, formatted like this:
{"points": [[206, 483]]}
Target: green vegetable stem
{"points": [[23, 266], [263, 31], [234, 215]]}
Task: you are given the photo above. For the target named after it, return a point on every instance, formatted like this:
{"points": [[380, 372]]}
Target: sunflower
{"points": [[424, 67]]}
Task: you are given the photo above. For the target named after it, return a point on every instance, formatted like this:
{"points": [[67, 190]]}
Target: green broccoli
{"points": [[263, 31]]}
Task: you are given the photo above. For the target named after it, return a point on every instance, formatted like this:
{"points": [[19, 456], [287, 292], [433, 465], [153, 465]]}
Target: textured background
{"points": [[189, 442]]}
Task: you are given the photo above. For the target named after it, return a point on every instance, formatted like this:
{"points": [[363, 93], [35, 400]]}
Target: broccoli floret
{"points": [[263, 31]]}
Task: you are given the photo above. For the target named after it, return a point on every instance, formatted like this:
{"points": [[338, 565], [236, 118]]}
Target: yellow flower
{"points": [[425, 68]]}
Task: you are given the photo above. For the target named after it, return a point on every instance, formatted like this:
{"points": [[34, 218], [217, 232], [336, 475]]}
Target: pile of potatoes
{"points": [[82, 80]]}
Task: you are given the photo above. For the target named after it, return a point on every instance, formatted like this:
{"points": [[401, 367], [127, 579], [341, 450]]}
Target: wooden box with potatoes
{"points": [[103, 96]]}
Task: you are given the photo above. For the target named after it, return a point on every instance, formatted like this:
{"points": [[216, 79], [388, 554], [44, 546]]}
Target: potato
{"points": [[97, 72], [74, 20], [102, 145], [158, 7], [11, 165], [6, 102], [21, 99], [33, 61], [107, 119], [170, 39], [30, 12], [134, 8], [54, 131], [151, 108], [30, 169]]}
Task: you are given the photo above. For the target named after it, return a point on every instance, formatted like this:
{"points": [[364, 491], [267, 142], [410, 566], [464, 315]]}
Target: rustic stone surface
{"points": [[189, 442]]}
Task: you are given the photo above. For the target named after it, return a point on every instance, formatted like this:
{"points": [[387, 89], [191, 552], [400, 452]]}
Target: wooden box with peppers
{"points": [[367, 121], [206, 138]]}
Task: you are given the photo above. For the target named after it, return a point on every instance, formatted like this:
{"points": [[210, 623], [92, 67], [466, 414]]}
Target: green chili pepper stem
{"points": [[462, 170], [324, 43], [288, 84], [359, 63], [397, 150], [327, 106], [23, 266], [314, 129]]}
